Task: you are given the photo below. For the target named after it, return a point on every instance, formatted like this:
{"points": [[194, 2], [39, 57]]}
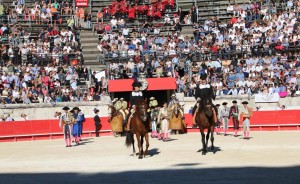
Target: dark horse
{"points": [[140, 125], [205, 120]]}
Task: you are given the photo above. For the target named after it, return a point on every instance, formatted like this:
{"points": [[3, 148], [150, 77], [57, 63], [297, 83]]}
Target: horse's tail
{"points": [[129, 139]]}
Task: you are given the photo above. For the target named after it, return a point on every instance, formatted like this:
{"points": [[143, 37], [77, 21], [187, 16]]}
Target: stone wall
{"points": [[46, 111]]}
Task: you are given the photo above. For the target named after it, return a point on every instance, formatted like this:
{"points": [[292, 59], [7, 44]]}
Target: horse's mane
{"points": [[113, 110], [203, 103], [139, 104]]}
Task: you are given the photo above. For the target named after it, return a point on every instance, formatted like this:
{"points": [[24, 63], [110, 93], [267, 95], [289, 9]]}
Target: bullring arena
{"points": [[268, 157], [70, 69]]}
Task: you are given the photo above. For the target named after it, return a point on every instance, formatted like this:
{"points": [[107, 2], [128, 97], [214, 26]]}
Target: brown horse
{"points": [[176, 122], [140, 123], [205, 120], [116, 120]]}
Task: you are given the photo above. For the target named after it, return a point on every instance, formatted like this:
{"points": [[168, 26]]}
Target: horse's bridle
{"points": [[142, 112]]}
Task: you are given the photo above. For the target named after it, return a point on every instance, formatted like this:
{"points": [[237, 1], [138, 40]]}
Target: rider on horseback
{"points": [[173, 101], [117, 104], [123, 110], [135, 97], [204, 94]]}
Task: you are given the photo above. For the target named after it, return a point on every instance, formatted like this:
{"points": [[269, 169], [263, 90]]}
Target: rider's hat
{"points": [[234, 101], [96, 110], [136, 84], [244, 102], [225, 103], [66, 108], [152, 98]]}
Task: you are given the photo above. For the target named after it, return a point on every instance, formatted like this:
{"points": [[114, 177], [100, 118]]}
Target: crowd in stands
{"points": [[256, 51], [37, 62]]}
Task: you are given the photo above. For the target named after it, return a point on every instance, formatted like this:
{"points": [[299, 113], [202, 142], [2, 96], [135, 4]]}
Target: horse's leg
{"points": [[207, 138], [203, 141], [133, 145], [147, 144], [212, 138], [138, 137], [142, 142]]}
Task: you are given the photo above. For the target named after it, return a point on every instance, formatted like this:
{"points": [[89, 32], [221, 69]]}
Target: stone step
{"points": [[83, 43], [91, 57], [85, 33], [90, 42], [87, 52], [89, 49], [89, 36]]}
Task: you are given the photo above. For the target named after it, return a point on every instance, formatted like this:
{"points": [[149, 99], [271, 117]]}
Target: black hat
{"points": [[66, 108], [234, 101], [225, 103], [76, 108], [203, 76], [96, 110], [244, 102], [136, 84], [218, 105]]}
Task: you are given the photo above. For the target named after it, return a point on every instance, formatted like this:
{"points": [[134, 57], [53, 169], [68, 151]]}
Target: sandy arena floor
{"points": [[268, 157]]}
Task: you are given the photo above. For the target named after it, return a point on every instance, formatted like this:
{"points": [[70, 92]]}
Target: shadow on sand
{"points": [[240, 175]]}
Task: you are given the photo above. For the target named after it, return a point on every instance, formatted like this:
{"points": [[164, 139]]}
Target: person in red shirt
{"points": [[107, 28], [131, 13], [136, 8], [158, 13], [143, 9], [233, 20], [214, 48], [161, 6], [150, 13], [279, 48], [169, 5], [106, 12]]}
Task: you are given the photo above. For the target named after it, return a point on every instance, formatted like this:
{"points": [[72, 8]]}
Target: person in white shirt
{"points": [[168, 20], [131, 52], [8, 118], [224, 116], [233, 91], [125, 32], [114, 22], [67, 48], [156, 31], [99, 47], [219, 86]]}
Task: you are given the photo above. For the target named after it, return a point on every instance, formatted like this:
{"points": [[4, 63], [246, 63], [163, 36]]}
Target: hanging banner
{"points": [[82, 3], [267, 98]]}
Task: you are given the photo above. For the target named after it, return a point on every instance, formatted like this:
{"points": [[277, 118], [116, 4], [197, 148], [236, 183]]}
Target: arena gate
{"points": [[160, 88]]}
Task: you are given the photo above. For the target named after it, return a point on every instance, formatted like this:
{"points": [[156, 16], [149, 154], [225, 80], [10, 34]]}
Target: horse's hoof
{"points": [[212, 148], [140, 157], [203, 153]]}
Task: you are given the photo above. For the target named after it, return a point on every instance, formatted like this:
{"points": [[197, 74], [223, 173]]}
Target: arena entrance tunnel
{"points": [[160, 88]]}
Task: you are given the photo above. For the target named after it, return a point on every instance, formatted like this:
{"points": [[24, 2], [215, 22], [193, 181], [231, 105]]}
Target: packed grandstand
{"points": [[244, 47]]}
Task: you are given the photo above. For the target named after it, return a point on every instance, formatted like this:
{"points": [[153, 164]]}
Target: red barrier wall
{"points": [[49, 129], [267, 120]]}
